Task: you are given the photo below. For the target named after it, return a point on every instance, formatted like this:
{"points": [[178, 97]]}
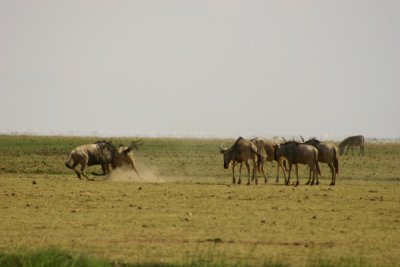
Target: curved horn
{"points": [[302, 138], [284, 140], [221, 148], [135, 144]]}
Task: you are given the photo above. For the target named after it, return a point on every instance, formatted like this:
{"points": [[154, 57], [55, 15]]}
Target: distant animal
{"points": [[327, 153], [101, 153], [296, 153], [351, 142], [241, 151], [265, 152]]}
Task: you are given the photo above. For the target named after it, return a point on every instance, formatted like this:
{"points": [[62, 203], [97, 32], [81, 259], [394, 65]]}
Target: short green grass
{"points": [[196, 216]]}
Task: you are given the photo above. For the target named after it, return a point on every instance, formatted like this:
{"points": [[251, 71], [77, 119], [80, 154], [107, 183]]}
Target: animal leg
{"points": [[290, 171], [83, 166], [361, 150], [240, 173], [103, 169], [277, 174], [309, 177], [297, 174], [254, 170], [107, 169], [312, 169], [233, 172], [347, 151], [76, 171], [315, 169], [284, 170], [136, 171], [263, 172], [248, 171], [332, 172]]}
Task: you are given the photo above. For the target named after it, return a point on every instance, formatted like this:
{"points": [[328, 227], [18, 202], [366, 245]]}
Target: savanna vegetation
{"points": [[190, 213]]}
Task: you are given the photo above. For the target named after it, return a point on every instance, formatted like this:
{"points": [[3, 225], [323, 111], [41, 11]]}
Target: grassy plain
{"points": [[196, 213]]}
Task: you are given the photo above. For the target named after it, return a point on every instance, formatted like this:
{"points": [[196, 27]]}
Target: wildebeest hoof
{"points": [[248, 183], [317, 183], [332, 184]]}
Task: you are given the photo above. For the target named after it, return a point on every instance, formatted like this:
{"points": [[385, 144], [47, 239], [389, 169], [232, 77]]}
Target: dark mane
{"points": [[313, 140], [290, 142], [104, 143], [238, 140]]}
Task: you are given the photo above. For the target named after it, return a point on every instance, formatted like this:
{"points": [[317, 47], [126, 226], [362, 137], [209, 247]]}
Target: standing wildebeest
{"points": [[327, 153], [100, 153], [241, 151], [295, 153], [352, 141], [265, 152]]}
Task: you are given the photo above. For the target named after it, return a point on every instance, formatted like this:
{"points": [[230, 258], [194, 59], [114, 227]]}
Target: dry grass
{"points": [[197, 213]]}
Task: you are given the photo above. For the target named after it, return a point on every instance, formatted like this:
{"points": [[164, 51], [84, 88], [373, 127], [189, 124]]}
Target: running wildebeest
{"points": [[351, 142], [295, 153], [241, 151], [265, 152], [327, 153], [100, 153]]}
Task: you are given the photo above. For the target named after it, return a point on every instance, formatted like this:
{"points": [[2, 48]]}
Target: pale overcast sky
{"points": [[200, 68]]}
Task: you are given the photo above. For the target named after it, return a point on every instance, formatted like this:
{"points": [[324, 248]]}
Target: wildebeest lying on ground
{"points": [[295, 153], [100, 153], [241, 151], [265, 152], [351, 142], [327, 153]]}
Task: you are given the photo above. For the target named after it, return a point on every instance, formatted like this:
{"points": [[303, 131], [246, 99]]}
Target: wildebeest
{"points": [[351, 142], [124, 156], [327, 153], [241, 151], [100, 153], [265, 152], [295, 153]]}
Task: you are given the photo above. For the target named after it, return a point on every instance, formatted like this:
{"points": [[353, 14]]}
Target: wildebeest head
{"points": [[341, 150], [227, 156]]}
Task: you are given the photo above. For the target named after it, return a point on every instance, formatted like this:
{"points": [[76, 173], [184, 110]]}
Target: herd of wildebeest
{"points": [[258, 150]]}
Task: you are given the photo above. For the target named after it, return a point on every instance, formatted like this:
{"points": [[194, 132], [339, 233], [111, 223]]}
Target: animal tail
{"points": [[258, 156], [318, 169], [335, 161], [316, 162], [259, 160]]}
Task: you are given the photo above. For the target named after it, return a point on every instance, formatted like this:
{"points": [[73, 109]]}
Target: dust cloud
{"points": [[126, 174]]}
